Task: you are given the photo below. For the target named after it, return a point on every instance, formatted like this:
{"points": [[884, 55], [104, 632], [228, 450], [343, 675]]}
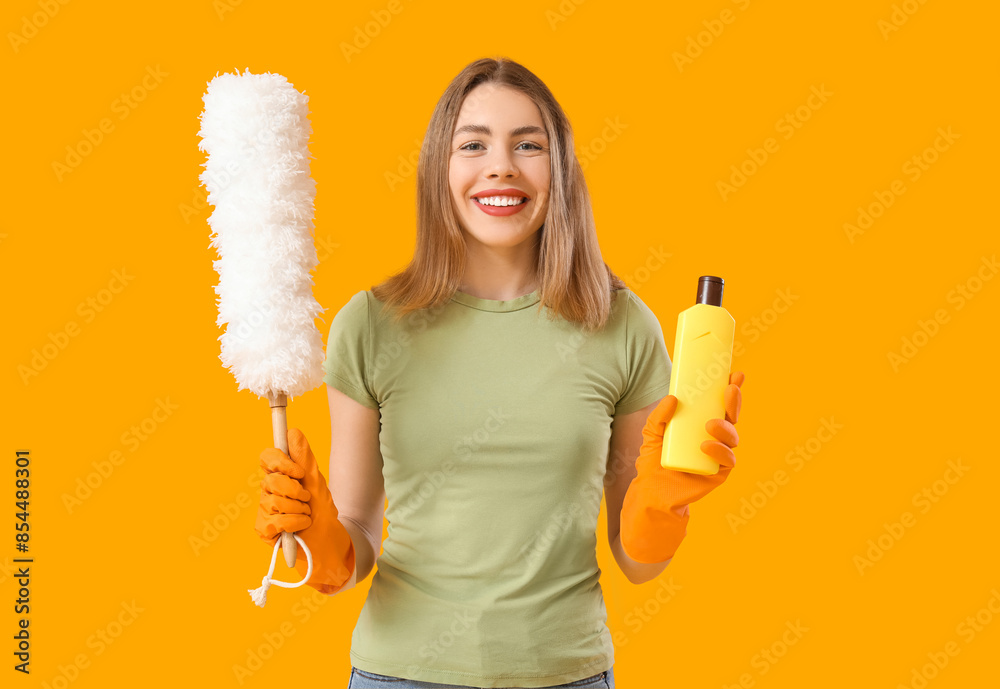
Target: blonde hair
{"points": [[573, 279]]}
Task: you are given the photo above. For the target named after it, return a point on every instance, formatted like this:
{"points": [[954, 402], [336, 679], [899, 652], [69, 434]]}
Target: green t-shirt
{"points": [[494, 438]]}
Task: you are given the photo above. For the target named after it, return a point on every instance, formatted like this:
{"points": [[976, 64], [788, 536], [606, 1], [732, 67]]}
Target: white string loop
{"points": [[259, 595]]}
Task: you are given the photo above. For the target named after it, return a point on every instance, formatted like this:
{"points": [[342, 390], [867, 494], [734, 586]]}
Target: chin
{"points": [[494, 236]]}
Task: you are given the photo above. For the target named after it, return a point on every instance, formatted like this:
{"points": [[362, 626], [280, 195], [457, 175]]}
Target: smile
{"points": [[500, 205], [500, 200]]}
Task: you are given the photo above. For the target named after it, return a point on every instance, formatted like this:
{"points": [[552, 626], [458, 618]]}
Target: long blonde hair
{"points": [[574, 281]]}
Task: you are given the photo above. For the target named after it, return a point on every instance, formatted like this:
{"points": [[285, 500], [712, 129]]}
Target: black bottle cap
{"points": [[710, 290]]}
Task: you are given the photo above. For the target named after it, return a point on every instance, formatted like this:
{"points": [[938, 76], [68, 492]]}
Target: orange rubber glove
{"points": [[655, 511], [295, 497]]}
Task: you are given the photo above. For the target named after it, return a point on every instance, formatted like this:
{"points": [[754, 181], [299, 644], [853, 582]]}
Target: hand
{"points": [[295, 497], [284, 501], [655, 511]]}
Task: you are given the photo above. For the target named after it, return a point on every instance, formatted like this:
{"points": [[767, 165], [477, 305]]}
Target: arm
{"points": [[626, 439], [355, 478]]}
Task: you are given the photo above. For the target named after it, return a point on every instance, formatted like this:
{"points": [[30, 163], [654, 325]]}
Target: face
{"points": [[500, 147]]}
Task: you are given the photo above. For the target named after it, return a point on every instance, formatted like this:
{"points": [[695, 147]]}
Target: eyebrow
{"points": [[486, 131]]}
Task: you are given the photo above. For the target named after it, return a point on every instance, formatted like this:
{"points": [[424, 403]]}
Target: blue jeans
{"points": [[361, 679]]}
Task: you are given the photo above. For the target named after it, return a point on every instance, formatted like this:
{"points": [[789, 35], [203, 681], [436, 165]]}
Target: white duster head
{"points": [[255, 129]]}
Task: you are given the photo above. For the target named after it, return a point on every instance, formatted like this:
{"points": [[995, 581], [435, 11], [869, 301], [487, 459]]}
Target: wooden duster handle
{"points": [[279, 425]]}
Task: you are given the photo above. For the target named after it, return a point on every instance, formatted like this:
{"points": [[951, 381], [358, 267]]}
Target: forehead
{"points": [[496, 103]]}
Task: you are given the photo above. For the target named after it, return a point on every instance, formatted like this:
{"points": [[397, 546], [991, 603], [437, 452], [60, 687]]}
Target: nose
{"points": [[500, 163]]}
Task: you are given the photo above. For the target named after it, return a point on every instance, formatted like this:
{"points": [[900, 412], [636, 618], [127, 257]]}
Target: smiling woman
{"points": [[487, 428], [486, 580], [498, 131], [481, 161]]}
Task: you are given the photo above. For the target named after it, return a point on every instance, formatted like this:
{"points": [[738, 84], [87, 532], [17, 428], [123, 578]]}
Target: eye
{"points": [[531, 146]]}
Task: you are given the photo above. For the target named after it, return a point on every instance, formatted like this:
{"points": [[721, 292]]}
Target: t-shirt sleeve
{"points": [[646, 358], [348, 352]]}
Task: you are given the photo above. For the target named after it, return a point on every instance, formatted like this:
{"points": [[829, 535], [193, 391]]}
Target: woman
{"points": [[493, 432]]}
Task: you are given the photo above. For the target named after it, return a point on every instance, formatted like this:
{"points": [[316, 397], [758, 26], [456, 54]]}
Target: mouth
{"points": [[500, 201], [500, 205]]}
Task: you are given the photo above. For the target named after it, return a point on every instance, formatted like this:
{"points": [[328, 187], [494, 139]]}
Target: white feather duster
{"points": [[255, 129]]}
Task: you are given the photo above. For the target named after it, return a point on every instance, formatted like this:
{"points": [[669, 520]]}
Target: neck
{"points": [[500, 274]]}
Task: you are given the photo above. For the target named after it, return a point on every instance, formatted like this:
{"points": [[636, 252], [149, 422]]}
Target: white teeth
{"points": [[501, 200]]}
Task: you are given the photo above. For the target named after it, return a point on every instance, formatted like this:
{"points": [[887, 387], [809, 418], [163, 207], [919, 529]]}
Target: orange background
{"points": [[819, 309]]}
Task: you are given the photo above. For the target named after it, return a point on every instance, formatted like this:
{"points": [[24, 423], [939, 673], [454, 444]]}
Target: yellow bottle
{"points": [[703, 354]]}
